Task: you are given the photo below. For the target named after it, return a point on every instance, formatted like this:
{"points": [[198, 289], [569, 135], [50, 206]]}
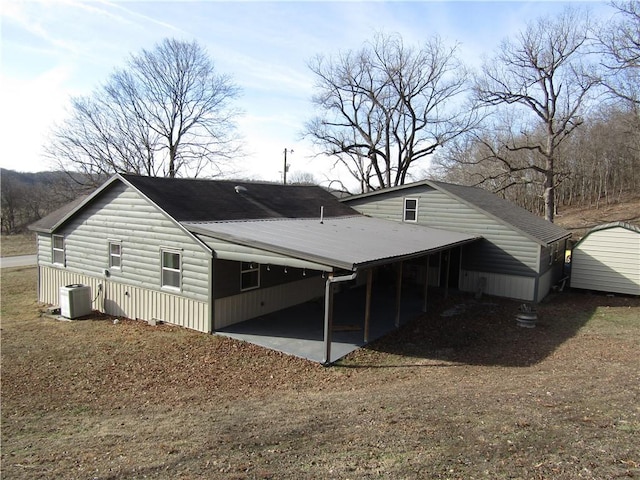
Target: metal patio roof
{"points": [[348, 243]]}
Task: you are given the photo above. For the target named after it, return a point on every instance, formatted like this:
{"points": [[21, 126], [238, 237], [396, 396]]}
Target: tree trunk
{"points": [[172, 161], [549, 194]]}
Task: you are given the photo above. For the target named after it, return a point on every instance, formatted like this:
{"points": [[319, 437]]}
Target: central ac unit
{"points": [[75, 301]]}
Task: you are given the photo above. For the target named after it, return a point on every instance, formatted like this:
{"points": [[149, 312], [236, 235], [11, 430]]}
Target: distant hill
{"points": [[27, 197], [73, 179]]}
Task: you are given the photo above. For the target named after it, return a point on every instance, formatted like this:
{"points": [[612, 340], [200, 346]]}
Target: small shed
{"points": [[607, 259]]}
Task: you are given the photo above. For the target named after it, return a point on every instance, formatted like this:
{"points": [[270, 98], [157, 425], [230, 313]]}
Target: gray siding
{"points": [[261, 301], [503, 251], [552, 258], [227, 277], [123, 300], [504, 263], [510, 286], [134, 291], [43, 243], [121, 214], [607, 260]]}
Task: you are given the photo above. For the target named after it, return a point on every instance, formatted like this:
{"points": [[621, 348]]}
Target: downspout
{"points": [[328, 312], [537, 276], [211, 313], [38, 242]]}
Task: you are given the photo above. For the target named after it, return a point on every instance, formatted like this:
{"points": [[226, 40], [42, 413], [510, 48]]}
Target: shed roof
{"points": [[504, 211], [347, 243], [607, 226]]}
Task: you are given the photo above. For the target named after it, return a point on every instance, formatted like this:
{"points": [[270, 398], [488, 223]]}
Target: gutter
{"points": [[328, 312]]}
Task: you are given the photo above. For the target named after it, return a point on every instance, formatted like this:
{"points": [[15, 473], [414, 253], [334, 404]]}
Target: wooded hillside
{"points": [[598, 166], [27, 197]]}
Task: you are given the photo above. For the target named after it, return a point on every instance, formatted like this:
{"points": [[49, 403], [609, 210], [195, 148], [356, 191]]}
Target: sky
{"points": [[55, 49]]}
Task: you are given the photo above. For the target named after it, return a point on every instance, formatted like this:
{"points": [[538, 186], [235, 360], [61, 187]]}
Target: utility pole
{"points": [[286, 167]]}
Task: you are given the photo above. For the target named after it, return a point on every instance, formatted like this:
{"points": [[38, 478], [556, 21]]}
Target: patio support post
{"points": [[446, 285], [398, 293], [328, 312], [367, 308], [426, 287]]}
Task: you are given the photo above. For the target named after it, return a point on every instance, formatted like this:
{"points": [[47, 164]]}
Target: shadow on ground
{"points": [[461, 329], [457, 328]]}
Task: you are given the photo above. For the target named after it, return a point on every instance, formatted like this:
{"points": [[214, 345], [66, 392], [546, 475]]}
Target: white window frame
{"points": [[405, 210], [247, 269], [61, 251], [163, 269], [117, 243]]}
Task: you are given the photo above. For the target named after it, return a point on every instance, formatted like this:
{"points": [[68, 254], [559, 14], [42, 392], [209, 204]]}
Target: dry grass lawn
{"points": [[21, 244], [466, 396]]}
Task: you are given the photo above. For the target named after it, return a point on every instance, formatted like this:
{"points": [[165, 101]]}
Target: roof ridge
{"points": [[278, 219], [215, 180]]}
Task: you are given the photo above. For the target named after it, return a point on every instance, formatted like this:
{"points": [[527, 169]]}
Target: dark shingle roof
{"points": [[194, 200], [48, 221], [506, 211]]}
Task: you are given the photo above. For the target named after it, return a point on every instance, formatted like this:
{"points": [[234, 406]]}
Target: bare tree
{"points": [[620, 46], [302, 178], [604, 158], [167, 113], [387, 106], [543, 76], [12, 195], [599, 164]]}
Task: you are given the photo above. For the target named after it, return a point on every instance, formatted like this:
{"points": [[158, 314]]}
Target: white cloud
{"points": [[30, 107]]}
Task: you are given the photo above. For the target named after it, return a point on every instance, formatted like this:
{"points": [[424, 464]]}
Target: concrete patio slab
{"points": [[299, 330]]}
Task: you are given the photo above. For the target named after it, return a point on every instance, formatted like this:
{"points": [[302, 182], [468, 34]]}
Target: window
{"points": [[115, 255], [171, 271], [58, 249], [249, 276], [410, 209]]}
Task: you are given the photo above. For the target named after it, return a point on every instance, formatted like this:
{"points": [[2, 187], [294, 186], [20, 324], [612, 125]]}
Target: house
{"points": [[607, 259], [520, 255], [207, 254]]}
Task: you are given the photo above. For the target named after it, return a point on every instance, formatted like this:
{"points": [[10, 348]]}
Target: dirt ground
{"points": [[578, 220], [460, 393]]}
